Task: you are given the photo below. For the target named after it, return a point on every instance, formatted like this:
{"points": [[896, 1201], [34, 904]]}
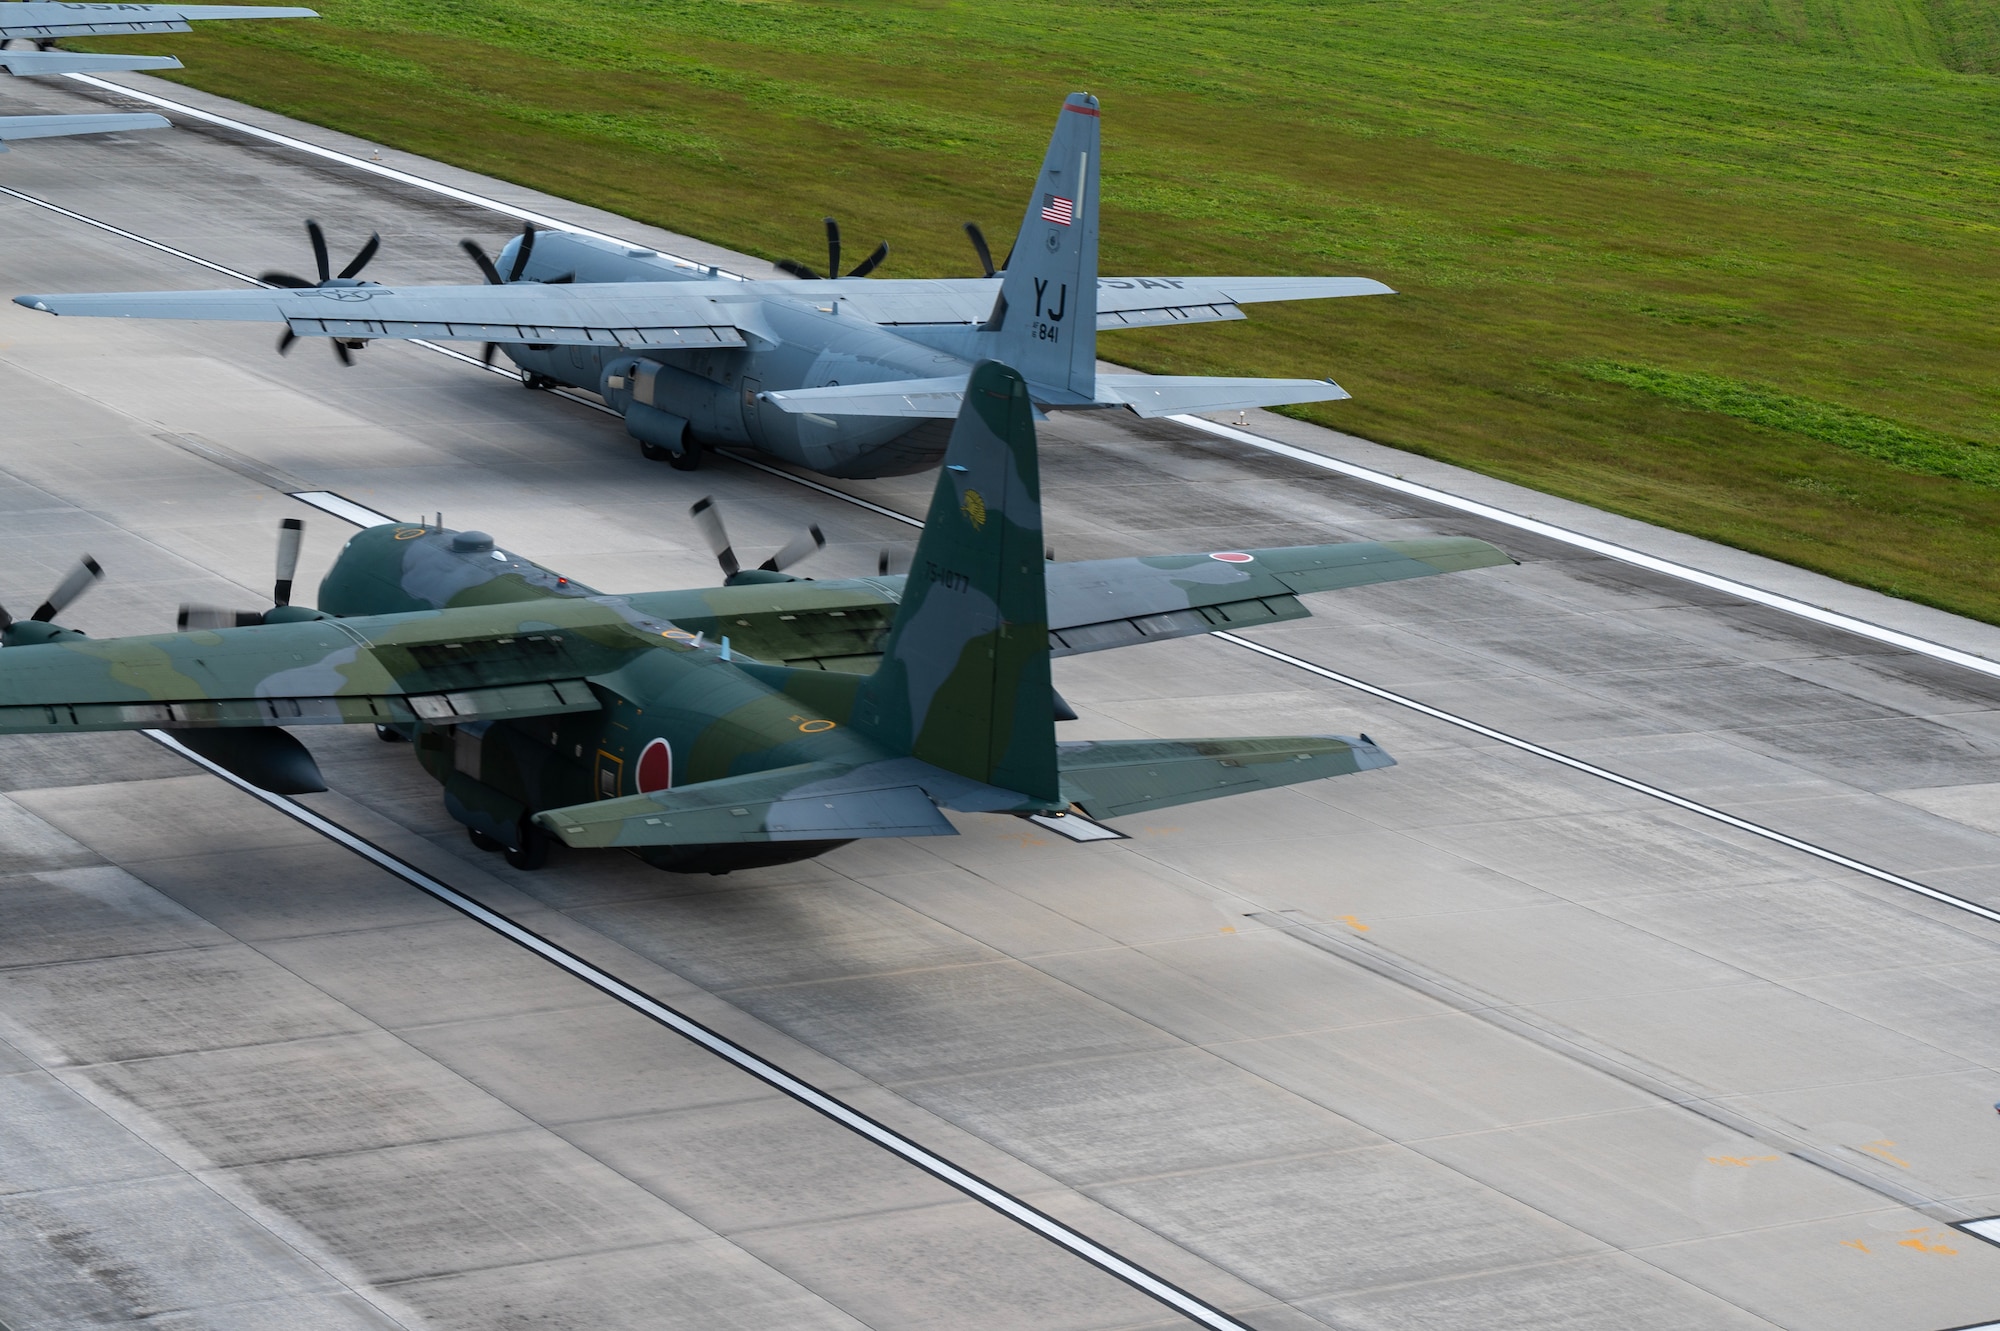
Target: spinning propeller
{"points": [[13, 632], [709, 518], [327, 278], [291, 535], [862, 269], [514, 271], [978, 239]]}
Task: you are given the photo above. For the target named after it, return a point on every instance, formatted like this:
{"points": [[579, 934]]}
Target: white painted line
{"points": [[123, 234], [1592, 769], [762, 1069], [342, 507], [1611, 550], [1077, 827], [386, 172]]}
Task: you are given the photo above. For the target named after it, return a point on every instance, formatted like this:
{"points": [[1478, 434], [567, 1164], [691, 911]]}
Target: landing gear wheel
{"points": [[482, 841], [687, 459], [531, 380], [389, 735], [654, 453], [533, 852]]}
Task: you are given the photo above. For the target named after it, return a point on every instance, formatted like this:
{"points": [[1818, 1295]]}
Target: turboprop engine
{"points": [[671, 412]]}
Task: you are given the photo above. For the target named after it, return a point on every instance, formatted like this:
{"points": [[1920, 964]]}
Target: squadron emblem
{"points": [[974, 508]]}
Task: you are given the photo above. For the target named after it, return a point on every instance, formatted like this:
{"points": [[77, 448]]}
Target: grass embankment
{"points": [[1725, 265]]}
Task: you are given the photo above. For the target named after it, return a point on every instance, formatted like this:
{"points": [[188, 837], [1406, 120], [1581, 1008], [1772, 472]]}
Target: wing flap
{"points": [[1113, 778], [607, 314], [808, 802], [547, 698]]}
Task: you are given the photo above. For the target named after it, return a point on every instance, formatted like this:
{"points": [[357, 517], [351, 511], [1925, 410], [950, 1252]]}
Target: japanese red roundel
{"points": [[656, 766]]}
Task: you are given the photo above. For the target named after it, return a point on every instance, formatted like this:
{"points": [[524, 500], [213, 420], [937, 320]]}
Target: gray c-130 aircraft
{"points": [[852, 377]]}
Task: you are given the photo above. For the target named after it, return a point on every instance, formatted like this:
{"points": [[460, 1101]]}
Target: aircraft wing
{"points": [[1112, 778], [480, 663], [1136, 302], [1098, 604], [636, 315], [39, 21], [1094, 604], [75, 62], [807, 802], [52, 127], [1122, 302]]}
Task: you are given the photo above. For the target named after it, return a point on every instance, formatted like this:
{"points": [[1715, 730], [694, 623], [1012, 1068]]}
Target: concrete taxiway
{"points": [[1478, 1041]]}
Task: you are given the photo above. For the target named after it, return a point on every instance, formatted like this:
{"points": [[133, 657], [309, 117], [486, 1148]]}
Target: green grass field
{"points": [[1726, 265]]}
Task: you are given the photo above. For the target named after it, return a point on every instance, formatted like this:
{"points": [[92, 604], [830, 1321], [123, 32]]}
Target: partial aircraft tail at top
{"points": [[1046, 319]]}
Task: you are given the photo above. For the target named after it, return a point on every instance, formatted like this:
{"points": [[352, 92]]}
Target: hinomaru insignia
{"points": [[974, 508]]}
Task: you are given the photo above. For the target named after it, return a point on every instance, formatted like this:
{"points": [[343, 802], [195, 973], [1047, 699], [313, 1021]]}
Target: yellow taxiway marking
{"points": [[1741, 1161], [1880, 1150], [1921, 1240], [1353, 923]]}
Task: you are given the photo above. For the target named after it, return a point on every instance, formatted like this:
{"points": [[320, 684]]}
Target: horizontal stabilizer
{"points": [[808, 802], [1112, 778], [1169, 395], [935, 399], [1146, 394], [76, 62], [53, 127]]}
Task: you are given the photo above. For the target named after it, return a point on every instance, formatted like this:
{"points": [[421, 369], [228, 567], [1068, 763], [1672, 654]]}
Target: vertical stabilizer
{"points": [[1048, 311], [964, 681]]}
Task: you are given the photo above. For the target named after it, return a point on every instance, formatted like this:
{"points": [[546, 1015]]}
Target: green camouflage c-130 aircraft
{"points": [[764, 721]]}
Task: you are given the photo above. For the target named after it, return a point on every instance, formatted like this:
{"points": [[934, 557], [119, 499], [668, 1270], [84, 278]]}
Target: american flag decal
{"points": [[1057, 209]]}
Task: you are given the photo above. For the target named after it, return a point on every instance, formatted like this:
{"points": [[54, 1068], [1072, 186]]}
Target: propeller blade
{"points": [[521, 254], [978, 239], [808, 542], [832, 247], [194, 617], [283, 280], [285, 340], [362, 256], [478, 255], [341, 353], [709, 520], [796, 269], [291, 536], [869, 264], [891, 561], [6, 620], [72, 586], [320, 261]]}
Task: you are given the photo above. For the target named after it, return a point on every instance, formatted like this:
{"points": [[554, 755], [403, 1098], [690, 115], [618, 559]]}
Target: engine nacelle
{"points": [[709, 410]]}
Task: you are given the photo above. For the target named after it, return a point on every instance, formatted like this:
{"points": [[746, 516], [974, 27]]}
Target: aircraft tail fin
{"points": [[964, 680], [1045, 323]]}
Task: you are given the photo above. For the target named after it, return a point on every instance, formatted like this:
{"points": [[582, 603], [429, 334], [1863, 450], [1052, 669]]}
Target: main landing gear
{"points": [[687, 459], [529, 379], [530, 852]]}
